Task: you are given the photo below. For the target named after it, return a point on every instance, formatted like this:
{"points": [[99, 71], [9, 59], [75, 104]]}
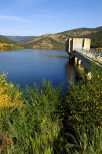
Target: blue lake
{"points": [[28, 66]]}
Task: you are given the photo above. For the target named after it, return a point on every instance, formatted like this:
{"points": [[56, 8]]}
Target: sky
{"points": [[38, 17]]}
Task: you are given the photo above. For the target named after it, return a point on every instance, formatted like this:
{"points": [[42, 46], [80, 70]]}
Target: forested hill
{"points": [[55, 41], [96, 38], [7, 44]]}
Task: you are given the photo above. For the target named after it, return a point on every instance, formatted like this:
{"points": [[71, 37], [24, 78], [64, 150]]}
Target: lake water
{"points": [[28, 66]]}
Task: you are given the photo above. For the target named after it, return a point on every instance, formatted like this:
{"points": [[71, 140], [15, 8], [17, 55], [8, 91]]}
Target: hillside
{"points": [[44, 42], [96, 39], [7, 44], [57, 41]]}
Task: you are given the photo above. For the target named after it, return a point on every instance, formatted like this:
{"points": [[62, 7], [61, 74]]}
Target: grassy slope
{"points": [[58, 40]]}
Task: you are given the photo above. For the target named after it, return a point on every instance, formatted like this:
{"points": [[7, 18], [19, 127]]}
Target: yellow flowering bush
{"points": [[9, 95]]}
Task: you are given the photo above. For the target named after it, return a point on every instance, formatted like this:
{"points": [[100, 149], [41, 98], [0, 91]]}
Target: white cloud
{"points": [[19, 31], [43, 15], [14, 18], [49, 14]]}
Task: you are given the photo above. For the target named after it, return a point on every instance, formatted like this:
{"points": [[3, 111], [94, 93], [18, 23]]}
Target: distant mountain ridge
{"points": [[20, 38], [57, 41]]}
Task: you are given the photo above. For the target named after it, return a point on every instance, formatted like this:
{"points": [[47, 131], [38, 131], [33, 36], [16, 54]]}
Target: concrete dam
{"points": [[80, 52]]}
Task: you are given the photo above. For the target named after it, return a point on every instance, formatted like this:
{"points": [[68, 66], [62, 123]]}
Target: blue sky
{"points": [[38, 17]]}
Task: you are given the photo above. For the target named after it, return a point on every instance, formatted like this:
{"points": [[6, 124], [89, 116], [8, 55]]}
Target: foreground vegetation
{"points": [[44, 121]]}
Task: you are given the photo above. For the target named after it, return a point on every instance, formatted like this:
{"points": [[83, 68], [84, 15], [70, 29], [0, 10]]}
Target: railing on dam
{"points": [[93, 54], [96, 52]]}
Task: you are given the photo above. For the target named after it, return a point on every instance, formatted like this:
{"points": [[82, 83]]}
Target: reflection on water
{"points": [[70, 71], [73, 72], [29, 66], [66, 57]]}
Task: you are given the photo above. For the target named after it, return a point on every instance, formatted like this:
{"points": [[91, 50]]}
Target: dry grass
{"points": [[5, 141]]}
